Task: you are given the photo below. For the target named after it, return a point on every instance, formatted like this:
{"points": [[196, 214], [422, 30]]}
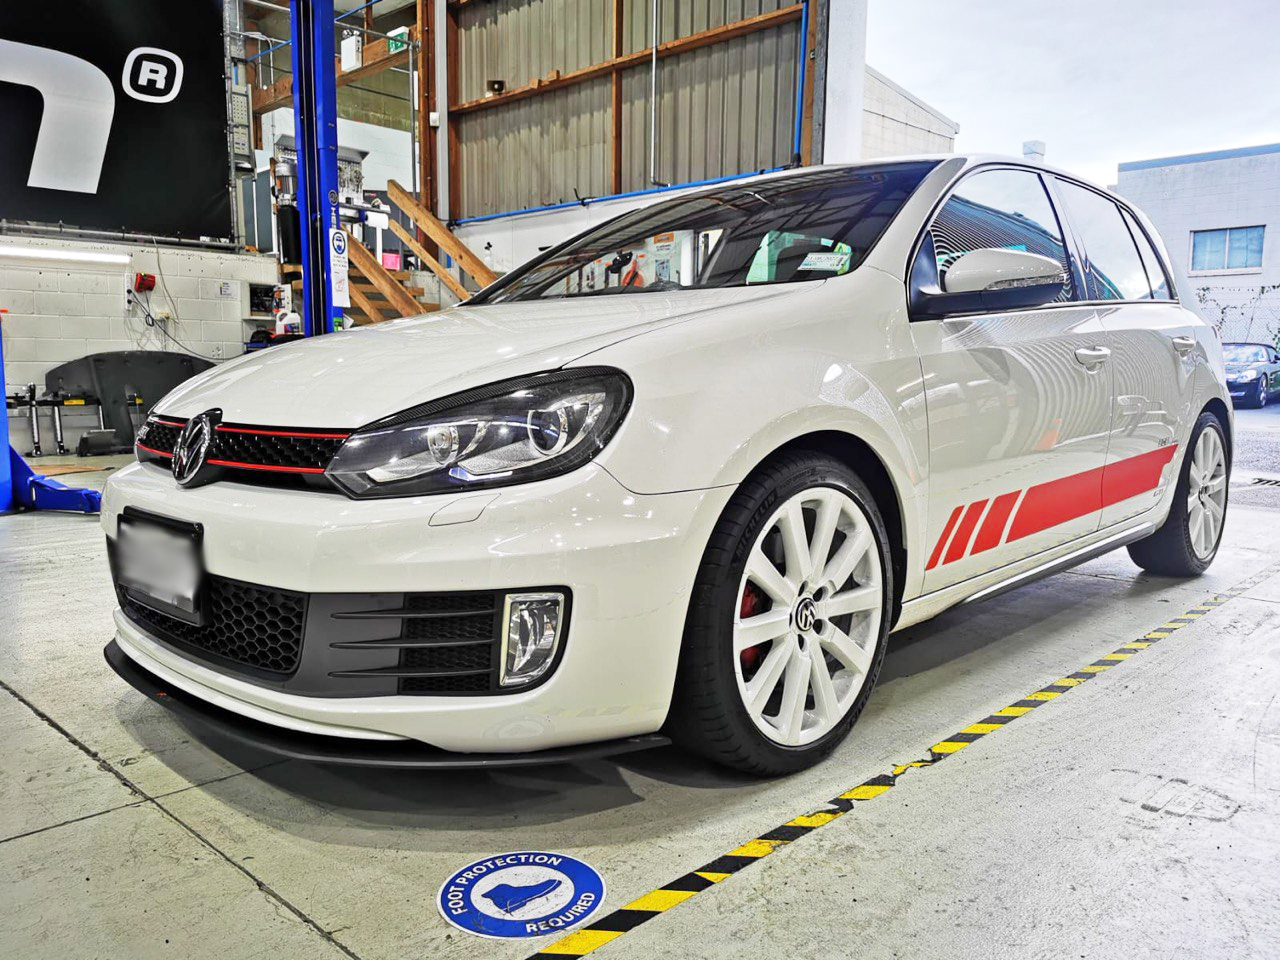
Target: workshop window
{"points": [[1236, 248]]}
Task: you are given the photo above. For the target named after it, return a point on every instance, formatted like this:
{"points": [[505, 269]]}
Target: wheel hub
{"points": [[806, 614]]}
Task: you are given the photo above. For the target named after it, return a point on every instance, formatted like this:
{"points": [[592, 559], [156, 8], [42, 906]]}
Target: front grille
{"points": [[285, 450], [248, 448], [247, 625]]}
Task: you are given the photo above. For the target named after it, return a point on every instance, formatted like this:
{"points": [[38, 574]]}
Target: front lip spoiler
{"points": [[344, 751]]}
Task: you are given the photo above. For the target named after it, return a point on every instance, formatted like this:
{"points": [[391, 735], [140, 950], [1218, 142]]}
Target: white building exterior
{"points": [[895, 122], [1217, 202]]}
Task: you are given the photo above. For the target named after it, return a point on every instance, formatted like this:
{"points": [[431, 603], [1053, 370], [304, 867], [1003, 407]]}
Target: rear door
{"points": [[1153, 346], [1018, 403]]}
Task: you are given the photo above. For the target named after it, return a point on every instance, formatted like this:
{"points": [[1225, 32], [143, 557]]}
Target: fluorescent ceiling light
{"points": [[73, 256]]}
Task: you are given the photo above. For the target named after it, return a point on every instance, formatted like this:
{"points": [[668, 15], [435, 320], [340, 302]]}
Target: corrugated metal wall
{"points": [[723, 109]]}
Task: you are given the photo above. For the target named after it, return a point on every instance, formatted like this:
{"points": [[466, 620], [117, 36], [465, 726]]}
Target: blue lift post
{"points": [[21, 488], [315, 113], [6, 472]]}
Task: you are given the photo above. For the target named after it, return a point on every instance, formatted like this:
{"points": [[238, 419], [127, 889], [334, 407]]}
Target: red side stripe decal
{"points": [[1058, 501], [992, 531], [1049, 504], [1128, 478], [942, 540], [960, 542]]}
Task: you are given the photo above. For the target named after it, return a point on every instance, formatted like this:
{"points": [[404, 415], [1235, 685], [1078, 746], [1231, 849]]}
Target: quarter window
{"points": [[1113, 267], [1159, 280], [1236, 248], [998, 208]]}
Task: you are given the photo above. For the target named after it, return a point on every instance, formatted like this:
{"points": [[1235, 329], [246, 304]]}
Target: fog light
{"points": [[530, 635]]}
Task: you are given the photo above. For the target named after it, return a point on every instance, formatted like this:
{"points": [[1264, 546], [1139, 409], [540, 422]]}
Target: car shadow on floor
{"points": [[538, 796]]}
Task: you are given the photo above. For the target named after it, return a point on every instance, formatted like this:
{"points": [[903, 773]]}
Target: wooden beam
{"points": [[472, 265], [368, 308], [426, 67], [376, 59], [695, 41], [431, 262], [616, 104], [397, 296]]}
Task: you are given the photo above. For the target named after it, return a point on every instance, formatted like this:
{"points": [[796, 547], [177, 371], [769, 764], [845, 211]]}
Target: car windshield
{"points": [[808, 226], [1243, 353]]}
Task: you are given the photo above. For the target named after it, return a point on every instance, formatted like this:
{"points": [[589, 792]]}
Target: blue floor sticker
{"points": [[517, 895]]}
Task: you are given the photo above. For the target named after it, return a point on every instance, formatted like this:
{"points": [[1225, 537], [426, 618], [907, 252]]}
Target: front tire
{"points": [[787, 621], [1188, 541]]}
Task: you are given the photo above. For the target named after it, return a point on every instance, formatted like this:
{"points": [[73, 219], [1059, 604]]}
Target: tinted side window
{"points": [[1160, 289], [1113, 268], [999, 208]]}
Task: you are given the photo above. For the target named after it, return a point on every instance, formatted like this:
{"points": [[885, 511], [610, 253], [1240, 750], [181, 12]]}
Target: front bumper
{"points": [[316, 748], [629, 561]]}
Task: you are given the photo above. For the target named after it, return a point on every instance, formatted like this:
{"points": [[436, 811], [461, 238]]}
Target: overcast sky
{"points": [[1099, 81]]}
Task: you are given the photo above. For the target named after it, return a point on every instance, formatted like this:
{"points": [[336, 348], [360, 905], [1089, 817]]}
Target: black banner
{"points": [[114, 116]]}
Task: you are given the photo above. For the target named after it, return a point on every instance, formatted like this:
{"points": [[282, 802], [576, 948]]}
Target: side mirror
{"points": [[992, 278]]}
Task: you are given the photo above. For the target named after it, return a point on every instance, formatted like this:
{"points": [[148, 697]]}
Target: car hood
{"points": [[350, 379], [1238, 368]]}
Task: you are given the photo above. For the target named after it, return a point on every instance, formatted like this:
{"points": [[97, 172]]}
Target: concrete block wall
{"points": [[60, 310], [896, 123]]}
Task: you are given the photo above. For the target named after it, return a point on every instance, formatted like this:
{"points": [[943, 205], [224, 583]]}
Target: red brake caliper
{"points": [[750, 607]]}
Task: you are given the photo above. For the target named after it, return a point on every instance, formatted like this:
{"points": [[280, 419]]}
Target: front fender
{"points": [[715, 397]]}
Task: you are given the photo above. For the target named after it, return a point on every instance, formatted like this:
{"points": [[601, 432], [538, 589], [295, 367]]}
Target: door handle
{"points": [[1092, 356], [1184, 345]]}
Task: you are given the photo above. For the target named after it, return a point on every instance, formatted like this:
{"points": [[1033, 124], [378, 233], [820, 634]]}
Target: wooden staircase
{"points": [[378, 294]]}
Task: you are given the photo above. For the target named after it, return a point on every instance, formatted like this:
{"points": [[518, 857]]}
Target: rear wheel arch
{"points": [[1223, 416]]}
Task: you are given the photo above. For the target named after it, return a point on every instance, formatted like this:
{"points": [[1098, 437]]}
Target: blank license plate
{"points": [[159, 564]]}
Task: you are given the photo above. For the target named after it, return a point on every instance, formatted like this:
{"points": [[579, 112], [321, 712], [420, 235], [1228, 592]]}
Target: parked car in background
{"points": [[1253, 372], [683, 472]]}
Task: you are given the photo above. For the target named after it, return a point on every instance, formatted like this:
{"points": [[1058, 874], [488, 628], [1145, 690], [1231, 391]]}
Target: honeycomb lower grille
{"points": [[455, 639], [248, 625]]}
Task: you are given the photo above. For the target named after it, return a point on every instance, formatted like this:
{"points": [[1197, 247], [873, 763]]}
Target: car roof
{"points": [[1245, 343], [968, 161]]}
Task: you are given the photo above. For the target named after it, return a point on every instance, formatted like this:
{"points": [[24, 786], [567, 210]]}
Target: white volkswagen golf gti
{"points": [[679, 476]]}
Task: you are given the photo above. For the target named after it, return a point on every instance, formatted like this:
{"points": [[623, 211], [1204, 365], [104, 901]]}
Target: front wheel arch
{"points": [[856, 454]]}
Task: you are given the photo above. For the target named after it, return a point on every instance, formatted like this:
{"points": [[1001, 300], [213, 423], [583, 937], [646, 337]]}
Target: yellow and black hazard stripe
{"points": [[656, 902]]}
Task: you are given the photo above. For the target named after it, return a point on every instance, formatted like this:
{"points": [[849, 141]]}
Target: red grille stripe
{"points": [[942, 540], [171, 423], [158, 453], [960, 542], [992, 531], [263, 466], [284, 433], [1135, 475]]}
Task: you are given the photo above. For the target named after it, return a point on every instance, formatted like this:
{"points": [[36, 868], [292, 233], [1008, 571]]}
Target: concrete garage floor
{"points": [[1136, 816]]}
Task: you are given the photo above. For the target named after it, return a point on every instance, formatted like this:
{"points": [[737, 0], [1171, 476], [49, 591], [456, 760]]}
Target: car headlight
{"points": [[510, 432], [1247, 375]]}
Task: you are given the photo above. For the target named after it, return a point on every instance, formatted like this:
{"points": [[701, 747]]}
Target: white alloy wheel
{"points": [[808, 616], [1206, 493]]}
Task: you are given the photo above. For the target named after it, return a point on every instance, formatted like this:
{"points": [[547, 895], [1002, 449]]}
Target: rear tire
{"points": [[1187, 542], [771, 680]]}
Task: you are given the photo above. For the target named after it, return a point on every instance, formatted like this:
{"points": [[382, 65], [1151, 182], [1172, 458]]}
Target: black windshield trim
{"points": [[922, 167]]}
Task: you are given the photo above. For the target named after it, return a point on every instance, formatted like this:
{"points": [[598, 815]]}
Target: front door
{"points": [[1018, 404]]}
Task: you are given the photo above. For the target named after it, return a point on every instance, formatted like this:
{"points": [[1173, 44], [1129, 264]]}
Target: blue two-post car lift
{"points": [[315, 110]]}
